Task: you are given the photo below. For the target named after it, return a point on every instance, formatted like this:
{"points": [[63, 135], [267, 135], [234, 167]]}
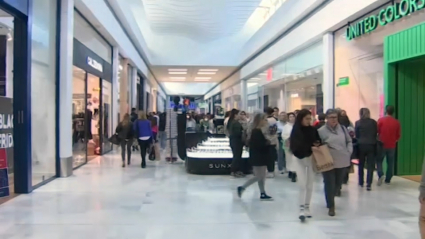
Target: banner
{"points": [[6, 144]]}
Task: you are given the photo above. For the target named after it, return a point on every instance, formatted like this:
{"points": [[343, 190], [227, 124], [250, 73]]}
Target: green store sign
{"points": [[384, 17]]}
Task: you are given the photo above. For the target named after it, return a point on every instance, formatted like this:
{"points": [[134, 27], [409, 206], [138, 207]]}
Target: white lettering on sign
{"points": [[93, 63]]}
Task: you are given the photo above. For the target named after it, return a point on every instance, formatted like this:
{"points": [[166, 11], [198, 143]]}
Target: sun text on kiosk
{"points": [[220, 165], [386, 15]]}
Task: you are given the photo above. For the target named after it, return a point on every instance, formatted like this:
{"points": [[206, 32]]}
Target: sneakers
{"points": [[237, 175], [369, 188], [265, 197], [123, 164], [294, 177], [380, 180], [270, 175], [240, 191], [302, 213], [307, 212]]}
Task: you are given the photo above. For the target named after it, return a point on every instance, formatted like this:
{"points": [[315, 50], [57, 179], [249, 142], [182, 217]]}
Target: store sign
{"points": [[219, 165], [6, 144], [343, 81], [385, 16], [93, 63]]}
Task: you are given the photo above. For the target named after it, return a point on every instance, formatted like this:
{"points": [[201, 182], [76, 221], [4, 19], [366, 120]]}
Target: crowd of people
{"points": [[288, 139], [139, 132]]}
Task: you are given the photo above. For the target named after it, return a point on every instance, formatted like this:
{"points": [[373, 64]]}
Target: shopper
{"points": [[303, 138], [343, 119], [143, 131], [190, 123], [389, 131], [272, 137], [281, 157], [321, 121], [286, 134], [125, 133], [162, 134], [340, 146], [276, 113], [366, 132], [133, 115], [236, 132], [226, 121], [259, 151], [422, 202]]}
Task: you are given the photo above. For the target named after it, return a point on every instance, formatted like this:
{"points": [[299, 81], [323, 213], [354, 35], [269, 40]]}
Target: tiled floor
{"points": [[104, 201]]}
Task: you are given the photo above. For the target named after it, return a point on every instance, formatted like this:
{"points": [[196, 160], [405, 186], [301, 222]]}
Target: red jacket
{"points": [[389, 131]]}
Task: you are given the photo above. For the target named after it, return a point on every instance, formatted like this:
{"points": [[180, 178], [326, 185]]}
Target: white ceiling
{"points": [[201, 20], [195, 74]]}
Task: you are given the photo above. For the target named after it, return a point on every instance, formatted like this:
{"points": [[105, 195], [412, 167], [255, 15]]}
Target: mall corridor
{"points": [[104, 201]]}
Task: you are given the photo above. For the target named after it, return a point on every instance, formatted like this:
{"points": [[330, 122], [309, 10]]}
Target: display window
{"points": [[359, 65]]}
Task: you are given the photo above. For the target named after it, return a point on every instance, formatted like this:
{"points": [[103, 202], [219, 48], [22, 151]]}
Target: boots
{"points": [[331, 211]]}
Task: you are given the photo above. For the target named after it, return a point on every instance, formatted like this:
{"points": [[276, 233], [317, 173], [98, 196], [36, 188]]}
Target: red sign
{"points": [[3, 159], [270, 74]]}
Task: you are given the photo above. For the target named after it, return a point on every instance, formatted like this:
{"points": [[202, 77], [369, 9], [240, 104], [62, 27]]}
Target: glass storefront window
{"points": [[93, 116], [107, 119], [361, 61], [43, 79]]}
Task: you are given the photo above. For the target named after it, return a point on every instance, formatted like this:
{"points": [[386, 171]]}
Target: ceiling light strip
{"points": [[208, 70]]}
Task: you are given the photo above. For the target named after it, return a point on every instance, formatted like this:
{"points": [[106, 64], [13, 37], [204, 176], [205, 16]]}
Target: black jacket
{"points": [[235, 130], [258, 149], [133, 117], [125, 131], [302, 139], [366, 131], [162, 122]]}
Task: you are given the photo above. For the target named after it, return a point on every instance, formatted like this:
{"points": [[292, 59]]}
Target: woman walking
{"points": [[303, 138], [286, 134], [143, 131], [125, 133], [236, 133], [340, 146], [259, 156], [366, 133]]}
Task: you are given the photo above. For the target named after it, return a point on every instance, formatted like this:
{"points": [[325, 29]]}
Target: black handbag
{"points": [[114, 139]]}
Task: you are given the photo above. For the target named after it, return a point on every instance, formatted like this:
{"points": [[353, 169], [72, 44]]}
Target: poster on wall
{"points": [[6, 144]]}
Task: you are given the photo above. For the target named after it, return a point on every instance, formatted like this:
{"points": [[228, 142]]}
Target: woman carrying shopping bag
{"points": [[336, 137], [303, 138]]}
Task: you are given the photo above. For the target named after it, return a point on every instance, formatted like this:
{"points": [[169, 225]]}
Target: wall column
{"points": [[66, 84], [328, 72], [244, 100], [133, 88], [115, 87], [124, 107]]}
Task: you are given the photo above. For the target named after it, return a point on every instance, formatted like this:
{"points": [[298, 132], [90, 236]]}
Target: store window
{"points": [[359, 67], [43, 88], [107, 113], [293, 84], [79, 111]]}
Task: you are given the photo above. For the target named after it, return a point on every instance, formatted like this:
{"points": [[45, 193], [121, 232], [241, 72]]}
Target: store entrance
{"points": [[410, 87]]}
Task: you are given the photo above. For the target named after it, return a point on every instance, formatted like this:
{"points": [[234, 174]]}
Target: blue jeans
{"points": [[390, 155], [281, 157]]}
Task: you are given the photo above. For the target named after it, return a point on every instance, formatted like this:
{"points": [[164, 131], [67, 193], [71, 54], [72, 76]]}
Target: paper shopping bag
{"points": [[157, 152], [322, 159]]}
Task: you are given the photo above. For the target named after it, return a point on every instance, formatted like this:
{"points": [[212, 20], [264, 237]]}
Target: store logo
{"points": [[93, 63], [220, 165], [384, 17]]}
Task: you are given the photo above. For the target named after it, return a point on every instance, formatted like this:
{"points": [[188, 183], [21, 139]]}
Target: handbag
{"points": [[322, 159], [114, 139]]}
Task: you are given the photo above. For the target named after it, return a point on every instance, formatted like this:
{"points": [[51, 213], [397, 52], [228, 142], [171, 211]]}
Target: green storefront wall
{"points": [[399, 50]]}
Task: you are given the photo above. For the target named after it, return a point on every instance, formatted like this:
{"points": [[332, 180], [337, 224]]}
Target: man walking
{"points": [[389, 131]]}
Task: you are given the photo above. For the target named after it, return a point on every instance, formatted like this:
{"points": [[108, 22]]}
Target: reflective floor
{"points": [[104, 201]]}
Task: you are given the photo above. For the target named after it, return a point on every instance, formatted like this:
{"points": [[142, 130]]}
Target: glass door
{"points": [[93, 118], [106, 120], [79, 101]]}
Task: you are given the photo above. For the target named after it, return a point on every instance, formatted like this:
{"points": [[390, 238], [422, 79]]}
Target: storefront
{"points": [[232, 97], [379, 62], [216, 105], [292, 84], [92, 93], [140, 90]]}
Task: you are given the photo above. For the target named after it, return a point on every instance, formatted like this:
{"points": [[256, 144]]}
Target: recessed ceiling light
{"points": [[207, 73], [177, 69], [208, 69], [256, 78], [178, 78], [263, 74], [177, 72], [202, 78]]}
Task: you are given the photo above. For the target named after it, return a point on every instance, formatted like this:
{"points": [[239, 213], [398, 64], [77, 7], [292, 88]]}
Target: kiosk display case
{"points": [[211, 157]]}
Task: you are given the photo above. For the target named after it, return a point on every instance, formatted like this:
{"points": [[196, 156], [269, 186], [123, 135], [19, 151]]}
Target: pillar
{"points": [[124, 107], [66, 81], [133, 88], [328, 72], [244, 100], [115, 87]]}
